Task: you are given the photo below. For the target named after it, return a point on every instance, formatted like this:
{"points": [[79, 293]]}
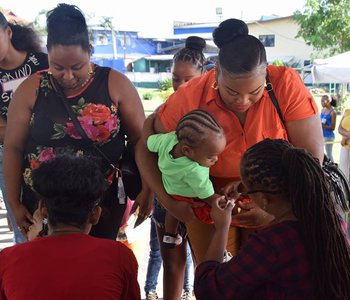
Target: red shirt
{"points": [[272, 264], [262, 120], [75, 266]]}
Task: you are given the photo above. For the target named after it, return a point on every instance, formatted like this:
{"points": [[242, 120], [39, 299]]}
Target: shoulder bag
{"points": [[126, 172]]}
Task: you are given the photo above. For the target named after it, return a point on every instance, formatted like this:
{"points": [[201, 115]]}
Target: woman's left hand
{"points": [[251, 216], [143, 206]]}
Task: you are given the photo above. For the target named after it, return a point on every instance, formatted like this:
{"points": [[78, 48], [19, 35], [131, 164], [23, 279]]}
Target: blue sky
{"points": [[155, 17]]}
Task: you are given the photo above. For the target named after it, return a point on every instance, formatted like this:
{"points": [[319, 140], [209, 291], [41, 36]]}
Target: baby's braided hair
{"points": [[192, 127], [277, 165]]}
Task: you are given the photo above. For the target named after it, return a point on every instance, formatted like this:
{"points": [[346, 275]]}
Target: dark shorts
{"points": [[158, 217]]}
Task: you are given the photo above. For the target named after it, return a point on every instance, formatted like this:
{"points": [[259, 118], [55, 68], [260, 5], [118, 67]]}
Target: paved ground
{"points": [[140, 247]]}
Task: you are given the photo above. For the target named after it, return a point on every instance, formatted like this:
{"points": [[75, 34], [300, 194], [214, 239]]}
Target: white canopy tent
{"points": [[333, 69]]}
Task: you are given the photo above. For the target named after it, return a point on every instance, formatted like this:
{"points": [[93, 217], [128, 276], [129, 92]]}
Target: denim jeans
{"points": [[18, 236], [155, 259]]}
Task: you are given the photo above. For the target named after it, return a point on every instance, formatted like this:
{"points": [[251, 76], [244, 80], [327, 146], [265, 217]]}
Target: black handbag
{"points": [[126, 173], [130, 172]]}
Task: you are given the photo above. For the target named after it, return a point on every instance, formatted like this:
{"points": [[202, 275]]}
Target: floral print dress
{"points": [[52, 133]]}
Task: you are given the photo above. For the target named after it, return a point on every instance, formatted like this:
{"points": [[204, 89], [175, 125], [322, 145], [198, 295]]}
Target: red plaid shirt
{"points": [[272, 264]]}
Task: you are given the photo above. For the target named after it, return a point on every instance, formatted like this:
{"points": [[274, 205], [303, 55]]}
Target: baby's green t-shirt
{"points": [[181, 176]]}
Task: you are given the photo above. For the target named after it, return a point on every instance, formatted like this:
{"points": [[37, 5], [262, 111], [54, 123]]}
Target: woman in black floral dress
{"points": [[39, 128]]}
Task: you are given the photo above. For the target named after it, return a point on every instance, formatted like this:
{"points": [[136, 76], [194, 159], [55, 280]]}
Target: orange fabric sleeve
{"points": [[295, 100]]}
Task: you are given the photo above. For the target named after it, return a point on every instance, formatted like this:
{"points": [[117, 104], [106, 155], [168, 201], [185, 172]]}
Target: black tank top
{"points": [[51, 132]]}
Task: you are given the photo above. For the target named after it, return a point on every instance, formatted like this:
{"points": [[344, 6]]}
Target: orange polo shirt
{"points": [[262, 120]]}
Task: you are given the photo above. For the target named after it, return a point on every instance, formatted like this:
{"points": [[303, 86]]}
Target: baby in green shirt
{"points": [[184, 158]]}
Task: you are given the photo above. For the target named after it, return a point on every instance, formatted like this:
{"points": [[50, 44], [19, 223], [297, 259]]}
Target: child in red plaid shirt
{"points": [[303, 254]]}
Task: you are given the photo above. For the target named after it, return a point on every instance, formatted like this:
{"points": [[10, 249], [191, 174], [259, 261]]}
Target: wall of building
{"points": [[286, 43]]}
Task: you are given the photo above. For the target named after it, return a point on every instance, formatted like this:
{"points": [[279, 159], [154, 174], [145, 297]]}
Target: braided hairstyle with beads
{"points": [[277, 165], [192, 127]]}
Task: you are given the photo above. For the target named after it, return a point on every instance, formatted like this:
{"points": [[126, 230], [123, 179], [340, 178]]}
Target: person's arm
{"points": [[250, 269], [19, 114], [152, 175], [125, 96], [222, 221], [2, 129], [345, 133], [307, 134], [299, 110], [148, 129]]}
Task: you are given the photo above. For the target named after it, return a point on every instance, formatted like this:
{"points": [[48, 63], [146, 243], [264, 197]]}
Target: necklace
{"points": [[90, 74]]}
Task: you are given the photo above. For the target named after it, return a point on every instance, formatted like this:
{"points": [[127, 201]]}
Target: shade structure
{"points": [[333, 69]]}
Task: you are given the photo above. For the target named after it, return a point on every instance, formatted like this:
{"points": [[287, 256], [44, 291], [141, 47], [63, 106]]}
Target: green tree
{"points": [[325, 24]]}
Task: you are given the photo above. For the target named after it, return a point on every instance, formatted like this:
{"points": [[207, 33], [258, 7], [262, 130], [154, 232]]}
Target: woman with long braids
{"points": [[303, 254]]}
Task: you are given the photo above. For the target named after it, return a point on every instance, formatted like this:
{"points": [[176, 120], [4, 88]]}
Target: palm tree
{"points": [[108, 24]]}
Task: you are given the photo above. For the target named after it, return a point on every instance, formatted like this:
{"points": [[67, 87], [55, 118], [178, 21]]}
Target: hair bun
{"points": [[195, 43], [228, 30]]}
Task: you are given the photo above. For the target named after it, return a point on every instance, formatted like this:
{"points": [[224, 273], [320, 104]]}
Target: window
{"points": [[267, 40]]}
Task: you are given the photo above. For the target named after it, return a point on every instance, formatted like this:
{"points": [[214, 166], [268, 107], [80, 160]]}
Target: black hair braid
{"points": [[301, 178], [314, 207], [191, 127], [193, 52]]}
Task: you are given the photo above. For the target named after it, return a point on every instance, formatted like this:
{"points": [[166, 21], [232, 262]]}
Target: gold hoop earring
{"points": [[49, 72], [215, 85]]}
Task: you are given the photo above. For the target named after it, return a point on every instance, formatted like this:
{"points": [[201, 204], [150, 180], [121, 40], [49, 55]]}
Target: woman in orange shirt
{"points": [[234, 93]]}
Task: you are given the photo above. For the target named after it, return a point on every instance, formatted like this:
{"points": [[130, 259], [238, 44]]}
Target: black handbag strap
{"points": [[76, 122], [269, 89]]}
